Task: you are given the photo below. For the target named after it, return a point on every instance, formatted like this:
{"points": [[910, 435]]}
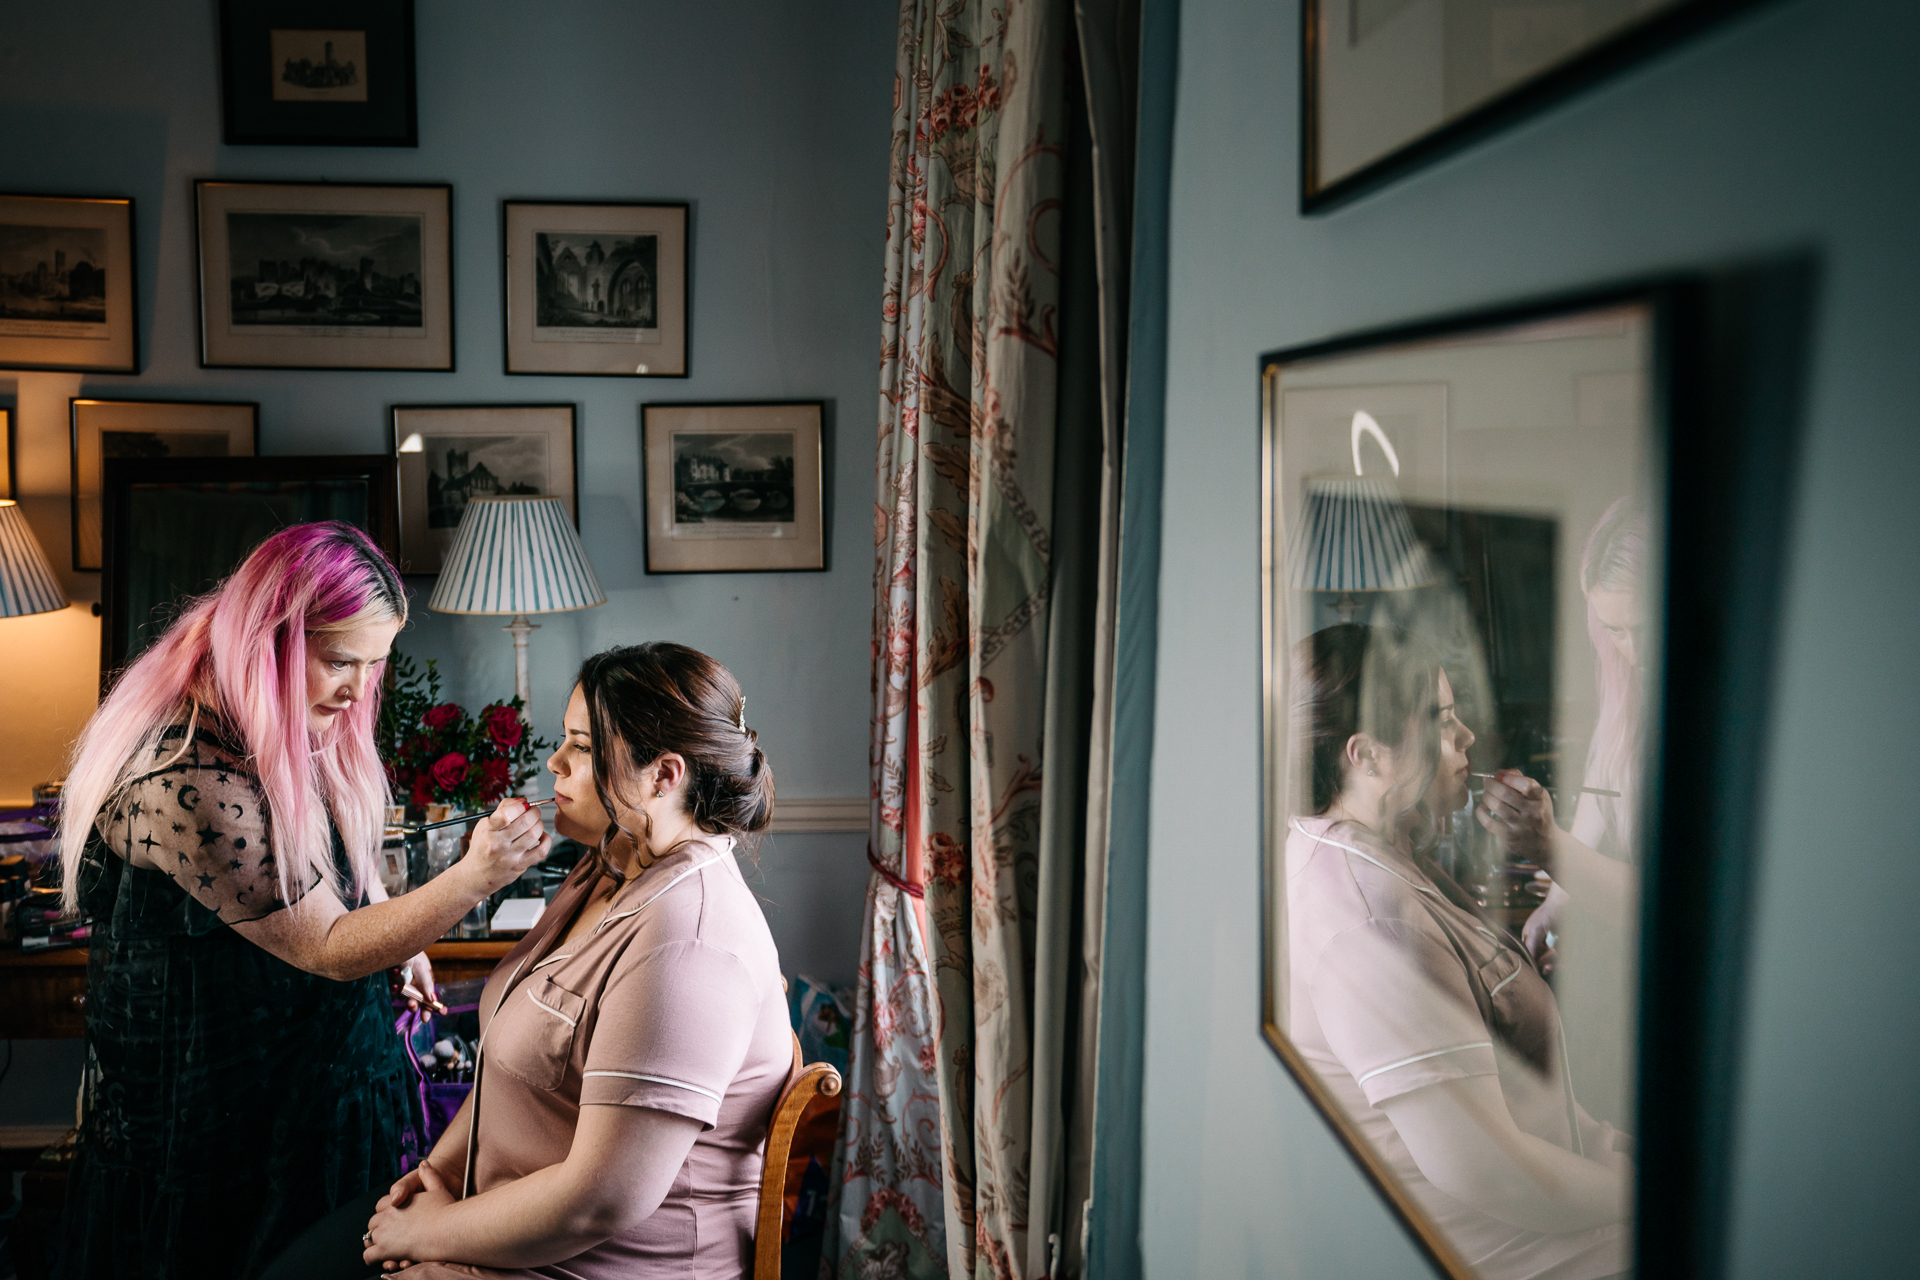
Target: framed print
{"points": [[6, 453], [733, 488], [150, 429], [317, 275], [596, 289], [448, 453], [174, 527], [1389, 85], [1499, 637], [317, 73], [66, 284]]}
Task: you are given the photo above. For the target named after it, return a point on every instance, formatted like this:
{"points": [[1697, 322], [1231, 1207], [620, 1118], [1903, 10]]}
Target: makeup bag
{"points": [[436, 1101]]}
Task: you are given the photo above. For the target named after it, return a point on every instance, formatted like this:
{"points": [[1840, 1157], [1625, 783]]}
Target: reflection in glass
{"points": [[1461, 621]]}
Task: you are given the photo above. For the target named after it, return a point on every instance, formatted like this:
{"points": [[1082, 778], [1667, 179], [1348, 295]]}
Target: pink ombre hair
{"points": [[237, 656], [1615, 559]]}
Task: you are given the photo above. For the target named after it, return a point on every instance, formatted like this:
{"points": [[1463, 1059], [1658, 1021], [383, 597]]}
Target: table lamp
{"points": [[516, 555], [1356, 537], [27, 584]]}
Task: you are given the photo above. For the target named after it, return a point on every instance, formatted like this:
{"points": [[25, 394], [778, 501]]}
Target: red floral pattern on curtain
{"points": [[932, 1171]]}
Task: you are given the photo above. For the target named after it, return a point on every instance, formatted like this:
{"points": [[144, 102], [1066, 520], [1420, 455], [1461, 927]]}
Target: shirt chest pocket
{"points": [[1521, 1010], [536, 1043]]}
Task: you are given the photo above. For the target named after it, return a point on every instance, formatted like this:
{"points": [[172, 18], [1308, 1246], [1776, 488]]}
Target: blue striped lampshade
{"points": [[27, 584], [1356, 536], [515, 555]]}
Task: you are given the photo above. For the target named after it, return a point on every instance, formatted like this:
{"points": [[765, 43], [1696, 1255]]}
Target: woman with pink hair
{"points": [[223, 813]]}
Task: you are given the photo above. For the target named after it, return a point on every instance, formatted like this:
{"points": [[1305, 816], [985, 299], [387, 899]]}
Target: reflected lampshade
{"points": [[515, 555], [27, 584], [1356, 536]]}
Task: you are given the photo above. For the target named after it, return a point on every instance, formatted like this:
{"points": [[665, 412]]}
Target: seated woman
{"points": [[634, 1043], [1433, 1030]]}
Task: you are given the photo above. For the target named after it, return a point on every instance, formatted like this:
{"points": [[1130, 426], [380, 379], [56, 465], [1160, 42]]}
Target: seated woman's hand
{"points": [[1519, 813], [396, 1232], [505, 843]]}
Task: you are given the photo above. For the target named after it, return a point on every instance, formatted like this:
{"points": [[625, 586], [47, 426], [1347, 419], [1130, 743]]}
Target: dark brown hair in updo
{"points": [[647, 700], [1379, 681]]}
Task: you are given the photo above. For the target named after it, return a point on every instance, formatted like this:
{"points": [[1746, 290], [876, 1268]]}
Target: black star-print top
{"points": [[201, 819], [232, 1098]]}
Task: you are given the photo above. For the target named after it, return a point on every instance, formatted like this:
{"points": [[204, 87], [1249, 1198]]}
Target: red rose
{"points": [[441, 716], [422, 792], [495, 777], [504, 727], [449, 771]]}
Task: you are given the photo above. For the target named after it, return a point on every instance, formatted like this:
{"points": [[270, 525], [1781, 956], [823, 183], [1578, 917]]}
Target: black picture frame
{"points": [[1728, 364], [523, 353], [1536, 93], [249, 486], [251, 115], [323, 346], [117, 350]]}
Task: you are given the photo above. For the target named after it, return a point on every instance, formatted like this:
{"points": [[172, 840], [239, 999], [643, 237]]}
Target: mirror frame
{"points": [[1724, 357]]}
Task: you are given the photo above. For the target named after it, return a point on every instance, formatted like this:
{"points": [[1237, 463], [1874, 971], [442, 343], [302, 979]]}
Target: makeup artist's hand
{"points": [[1545, 920], [416, 984], [505, 843], [399, 1225], [1519, 813]]}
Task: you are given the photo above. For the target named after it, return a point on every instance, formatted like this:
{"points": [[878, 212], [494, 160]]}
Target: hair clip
{"points": [[740, 720]]}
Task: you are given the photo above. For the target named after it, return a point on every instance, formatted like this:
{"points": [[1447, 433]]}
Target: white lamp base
{"points": [[520, 629]]}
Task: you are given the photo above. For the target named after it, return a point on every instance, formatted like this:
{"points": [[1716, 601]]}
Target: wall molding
{"points": [[797, 815]]}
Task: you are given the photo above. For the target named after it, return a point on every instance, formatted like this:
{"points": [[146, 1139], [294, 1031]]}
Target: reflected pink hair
{"points": [[1615, 559], [238, 656]]}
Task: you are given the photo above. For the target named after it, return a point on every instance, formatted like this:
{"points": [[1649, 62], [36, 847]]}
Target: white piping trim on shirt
{"points": [[678, 1084], [1504, 981], [1362, 853], [684, 873], [569, 1021], [1422, 1057], [549, 960]]}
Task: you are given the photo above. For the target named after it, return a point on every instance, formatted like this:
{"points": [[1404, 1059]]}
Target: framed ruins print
{"points": [[1496, 791], [153, 429], [733, 488], [448, 453], [317, 73], [596, 289], [319, 275], [66, 284]]}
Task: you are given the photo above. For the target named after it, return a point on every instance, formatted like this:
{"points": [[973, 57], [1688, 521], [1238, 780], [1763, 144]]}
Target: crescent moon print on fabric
{"points": [[189, 791]]}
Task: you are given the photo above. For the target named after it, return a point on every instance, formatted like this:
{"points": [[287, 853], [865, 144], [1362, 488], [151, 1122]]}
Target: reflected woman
{"points": [[1434, 1030]]}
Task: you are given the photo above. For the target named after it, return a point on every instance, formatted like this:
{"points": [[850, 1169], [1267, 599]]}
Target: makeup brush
{"points": [[414, 828], [1592, 791]]}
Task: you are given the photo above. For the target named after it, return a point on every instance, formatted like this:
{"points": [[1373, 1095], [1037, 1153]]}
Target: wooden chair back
{"points": [[805, 1082]]}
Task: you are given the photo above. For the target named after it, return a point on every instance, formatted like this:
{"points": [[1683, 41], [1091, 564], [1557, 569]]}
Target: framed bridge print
{"points": [[596, 288], [733, 488], [1498, 639]]}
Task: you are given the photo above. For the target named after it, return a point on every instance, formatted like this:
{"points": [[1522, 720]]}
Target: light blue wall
{"points": [[771, 118], [1790, 130]]}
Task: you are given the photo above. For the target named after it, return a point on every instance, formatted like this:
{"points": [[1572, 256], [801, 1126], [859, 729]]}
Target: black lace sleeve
{"points": [[202, 820]]}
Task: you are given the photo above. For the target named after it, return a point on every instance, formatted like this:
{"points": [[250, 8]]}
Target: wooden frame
{"points": [[7, 461], [391, 261], [372, 100], [45, 241], [423, 542], [732, 526], [1723, 357], [235, 423], [1531, 93], [374, 472], [642, 270]]}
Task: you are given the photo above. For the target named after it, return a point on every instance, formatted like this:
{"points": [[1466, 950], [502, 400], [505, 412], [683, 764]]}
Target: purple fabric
{"points": [[438, 1102]]}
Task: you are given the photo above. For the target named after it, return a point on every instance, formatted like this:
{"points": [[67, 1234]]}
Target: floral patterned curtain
{"points": [[933, 1168]]}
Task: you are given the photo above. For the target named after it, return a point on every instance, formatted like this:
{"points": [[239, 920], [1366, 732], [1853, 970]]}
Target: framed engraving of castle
{"points": [[450, 453], [317, 275], [317, 73], [596, 289], [733, 488], [66, 284]]}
